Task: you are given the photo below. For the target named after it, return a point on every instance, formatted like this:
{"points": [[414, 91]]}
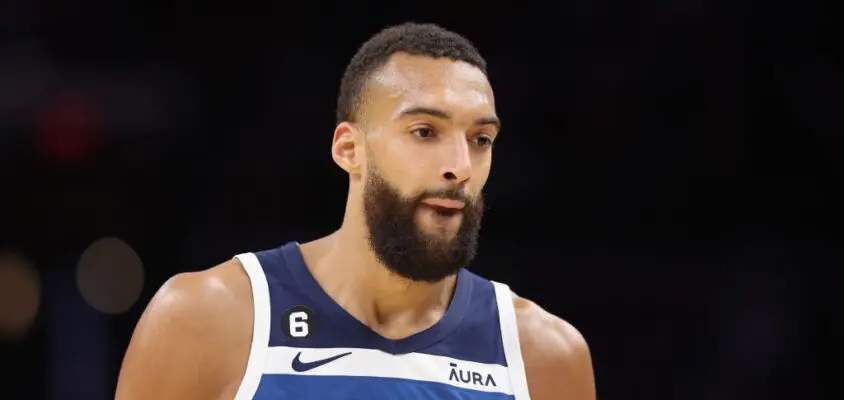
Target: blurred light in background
{"points": [[110, 276], [20, 294], [68, 128]]}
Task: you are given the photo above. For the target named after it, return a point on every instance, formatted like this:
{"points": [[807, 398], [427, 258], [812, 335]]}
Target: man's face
{"points": [[430, 125]]}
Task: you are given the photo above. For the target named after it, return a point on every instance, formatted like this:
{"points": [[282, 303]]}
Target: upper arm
{"points": [[558, 363], [189, 342]]}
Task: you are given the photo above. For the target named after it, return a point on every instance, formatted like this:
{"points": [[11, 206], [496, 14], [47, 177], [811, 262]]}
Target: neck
{"points": [[351, 274]]}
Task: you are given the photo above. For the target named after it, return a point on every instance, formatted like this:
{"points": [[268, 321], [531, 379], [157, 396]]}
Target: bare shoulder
{"points": [[557, 360], [193, 339], [205, 299]]}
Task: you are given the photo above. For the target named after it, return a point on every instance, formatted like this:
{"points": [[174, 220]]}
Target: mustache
{"points": [[450, 194]]}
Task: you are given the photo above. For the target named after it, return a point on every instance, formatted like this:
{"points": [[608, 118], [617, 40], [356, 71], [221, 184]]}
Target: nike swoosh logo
{"points": [[300, 366]]}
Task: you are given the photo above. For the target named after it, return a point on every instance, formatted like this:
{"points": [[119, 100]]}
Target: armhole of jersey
{"points": [[260, 327], [510, 341]]}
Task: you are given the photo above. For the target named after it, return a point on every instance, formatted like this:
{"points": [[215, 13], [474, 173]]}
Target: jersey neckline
{"points": [[450, 320]]}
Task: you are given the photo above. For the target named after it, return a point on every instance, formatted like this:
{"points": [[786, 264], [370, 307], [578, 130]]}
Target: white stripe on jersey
{"points": [[376, 363]]}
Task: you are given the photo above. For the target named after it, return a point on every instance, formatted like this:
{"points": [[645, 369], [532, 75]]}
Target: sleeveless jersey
{"points": [[305, 346]]}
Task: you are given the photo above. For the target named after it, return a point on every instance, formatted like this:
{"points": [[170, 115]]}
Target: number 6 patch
{"points": [[298, 323]]}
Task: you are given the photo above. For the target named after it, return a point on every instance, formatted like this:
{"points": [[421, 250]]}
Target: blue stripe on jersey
{"points": [[283, 387], [469, 330]]}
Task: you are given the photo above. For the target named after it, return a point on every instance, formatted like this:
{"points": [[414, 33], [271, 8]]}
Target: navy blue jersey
{"points": [[306, 346]]}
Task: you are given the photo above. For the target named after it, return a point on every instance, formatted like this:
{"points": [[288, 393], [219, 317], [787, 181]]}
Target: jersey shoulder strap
{"points": [[260, 327], [510, 341]]}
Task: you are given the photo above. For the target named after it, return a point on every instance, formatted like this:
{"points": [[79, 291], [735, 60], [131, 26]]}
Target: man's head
{"points": [[416, 121]]}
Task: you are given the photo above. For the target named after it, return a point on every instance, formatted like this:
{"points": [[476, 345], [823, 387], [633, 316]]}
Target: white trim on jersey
{"points": [[510, 340], [374, 363], [260, 328]]}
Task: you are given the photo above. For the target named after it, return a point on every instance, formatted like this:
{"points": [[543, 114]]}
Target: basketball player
{"points": [[383, 308]]}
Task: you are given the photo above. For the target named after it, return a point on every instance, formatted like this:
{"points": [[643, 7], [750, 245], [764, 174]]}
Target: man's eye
{"points": [[423, 132], [484, 141]]}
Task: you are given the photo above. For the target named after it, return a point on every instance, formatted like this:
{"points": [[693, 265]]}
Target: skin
{"points": [[426, 125]]}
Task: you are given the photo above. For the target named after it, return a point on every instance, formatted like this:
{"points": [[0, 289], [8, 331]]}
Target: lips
{"points": [[447, 204]]}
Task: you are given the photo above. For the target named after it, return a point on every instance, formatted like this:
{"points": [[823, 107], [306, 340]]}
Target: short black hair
{"points": [[422, 39]]}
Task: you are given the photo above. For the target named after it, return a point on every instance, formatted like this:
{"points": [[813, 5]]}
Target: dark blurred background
{"points": [[665, 179]]}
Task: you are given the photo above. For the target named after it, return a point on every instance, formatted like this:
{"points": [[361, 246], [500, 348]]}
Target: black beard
{"points": [[403, 247]]}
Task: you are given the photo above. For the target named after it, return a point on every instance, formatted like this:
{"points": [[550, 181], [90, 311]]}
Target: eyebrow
{"points": [[436, 113]]}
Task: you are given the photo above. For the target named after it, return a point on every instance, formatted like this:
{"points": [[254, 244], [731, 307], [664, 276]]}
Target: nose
{"points": [[457, 165]]}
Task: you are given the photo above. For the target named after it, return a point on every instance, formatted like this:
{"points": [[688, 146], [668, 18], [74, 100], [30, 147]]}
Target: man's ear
{"points": [[344, 149]]}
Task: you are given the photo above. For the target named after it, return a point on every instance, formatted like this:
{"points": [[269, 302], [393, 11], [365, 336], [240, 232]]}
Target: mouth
{"points": [[444, 207], [444, 212], [444, 204]]}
